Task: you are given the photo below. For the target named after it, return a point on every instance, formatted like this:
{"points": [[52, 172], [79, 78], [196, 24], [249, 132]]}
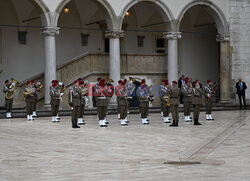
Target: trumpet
{"points": [[28, 91], [39, 85]]}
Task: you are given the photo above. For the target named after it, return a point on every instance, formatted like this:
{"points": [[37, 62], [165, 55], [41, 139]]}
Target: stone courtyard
{"points": [[41, 150]]}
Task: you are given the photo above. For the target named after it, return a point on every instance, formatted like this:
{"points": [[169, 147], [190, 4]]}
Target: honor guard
{"points": [[101, 102], [186, 91], [197, 101], [123, 102], [161, 87], [84, 92], [117, 97], [174, 95], [165, 104], [30, 99], [8, 90], [55, 94], [143, 96], [75, 100], [209, 91]]}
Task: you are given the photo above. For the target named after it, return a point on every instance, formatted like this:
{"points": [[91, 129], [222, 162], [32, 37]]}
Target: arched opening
{"points": [[143, 48], [199, 51], [21, 42], [82, 29]]}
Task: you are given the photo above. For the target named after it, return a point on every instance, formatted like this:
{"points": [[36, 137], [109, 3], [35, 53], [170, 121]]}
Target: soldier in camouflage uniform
{"points": [[174, 94], [30, 99], [143, 96], [8, 90], [123, 102], [84, 92], [117, 97], [209, 91], [186, 90], [75, 100], [55, 94], [197, 101], [165, 106], [101, 102], [161, 88]]}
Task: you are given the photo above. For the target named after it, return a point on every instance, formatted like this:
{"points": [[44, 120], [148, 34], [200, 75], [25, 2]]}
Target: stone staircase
{"points": [[89, 66]]}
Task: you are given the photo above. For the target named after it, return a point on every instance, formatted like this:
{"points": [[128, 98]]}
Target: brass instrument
{"points": [[13, 88], [28, 91], [39, 85], [109, 81]]}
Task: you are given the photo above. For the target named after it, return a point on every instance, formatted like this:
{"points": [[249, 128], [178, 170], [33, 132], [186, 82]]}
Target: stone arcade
{"points": [[151, 39]]}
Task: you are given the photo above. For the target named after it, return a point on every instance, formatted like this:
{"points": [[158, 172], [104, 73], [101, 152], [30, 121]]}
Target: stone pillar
{"points": [[224, 67], [172, 55], [114, 58], [50, 59]]}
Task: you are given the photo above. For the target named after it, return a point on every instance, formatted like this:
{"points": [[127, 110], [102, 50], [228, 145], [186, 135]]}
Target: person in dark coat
{"points": [[241, 87]]}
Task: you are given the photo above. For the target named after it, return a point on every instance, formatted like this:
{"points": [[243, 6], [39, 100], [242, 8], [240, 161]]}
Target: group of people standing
{"points": [[186, 91]]}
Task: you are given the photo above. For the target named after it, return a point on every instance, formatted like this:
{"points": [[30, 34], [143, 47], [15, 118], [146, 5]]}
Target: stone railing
{"points": [[91, 65]]}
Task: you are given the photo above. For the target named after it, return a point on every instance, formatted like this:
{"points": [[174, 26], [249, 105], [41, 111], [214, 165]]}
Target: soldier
{"points": [[84, 92], [174, 94], [161, 88], [187, 99], [123, 103], [209, 90], [197, 101], [75, 100], [109, 93], [55, 93], [165, 106], [94, 91], [33, 82], [143, 95], [101, 102], [30, 98], [8, 90], [117, 97]]}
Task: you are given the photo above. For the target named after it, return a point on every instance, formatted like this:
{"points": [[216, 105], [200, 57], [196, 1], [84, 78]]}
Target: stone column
{"points": [[172, 55], [224, 67], [50, 59], [114, 58]]}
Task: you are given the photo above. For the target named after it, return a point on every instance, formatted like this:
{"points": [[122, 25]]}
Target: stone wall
{"points": [[240, 42]]}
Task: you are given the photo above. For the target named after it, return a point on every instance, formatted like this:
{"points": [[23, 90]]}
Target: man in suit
{"points": [[181, 82], [241, 87]]}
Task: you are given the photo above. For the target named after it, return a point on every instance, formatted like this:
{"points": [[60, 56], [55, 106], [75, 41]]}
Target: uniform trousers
{"points": [[8, 105]]}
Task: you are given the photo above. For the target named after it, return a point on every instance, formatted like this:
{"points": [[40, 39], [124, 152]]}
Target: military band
{"points": [[104, 90]]}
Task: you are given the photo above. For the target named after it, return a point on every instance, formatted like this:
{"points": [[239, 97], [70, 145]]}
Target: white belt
{"points": [[101, 97]]}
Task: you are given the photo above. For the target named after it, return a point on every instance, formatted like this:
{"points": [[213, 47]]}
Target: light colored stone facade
{"points": [[150, 19]]}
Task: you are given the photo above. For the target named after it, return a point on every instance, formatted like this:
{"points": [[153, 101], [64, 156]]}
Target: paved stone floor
{"points": [[41, 150]]}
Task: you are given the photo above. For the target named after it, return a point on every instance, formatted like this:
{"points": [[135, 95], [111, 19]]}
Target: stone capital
{"points": [[114, 34], [222, 38], [172, 35], [50, 31]]}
